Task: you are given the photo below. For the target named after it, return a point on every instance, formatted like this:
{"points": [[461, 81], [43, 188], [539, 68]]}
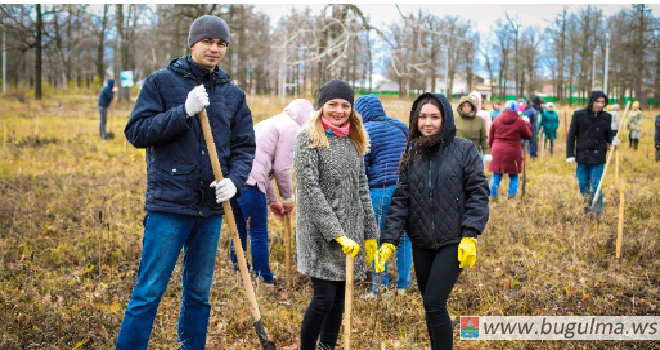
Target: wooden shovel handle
{"points": [[288, 248], [348, 302], [229, 215]]}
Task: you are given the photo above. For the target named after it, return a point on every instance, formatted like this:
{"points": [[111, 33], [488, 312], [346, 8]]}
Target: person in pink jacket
{"points": [[476, 97], [273, 158]]}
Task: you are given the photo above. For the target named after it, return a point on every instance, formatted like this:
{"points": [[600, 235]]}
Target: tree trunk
{"points": [[100, 67], [37, 63]]}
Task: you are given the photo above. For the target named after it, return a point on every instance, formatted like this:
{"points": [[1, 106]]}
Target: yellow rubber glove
{"points": [[348, 246], [467, 252], [386, 249], [370, 248]]}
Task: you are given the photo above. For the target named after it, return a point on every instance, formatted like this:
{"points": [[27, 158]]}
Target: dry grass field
{"points": [[71, 228]]}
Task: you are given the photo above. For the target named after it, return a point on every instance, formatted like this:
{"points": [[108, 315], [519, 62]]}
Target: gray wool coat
{"points": [[332, 200]]}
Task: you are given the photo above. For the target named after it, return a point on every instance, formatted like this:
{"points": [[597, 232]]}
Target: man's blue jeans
{"points": [[165, 234], [380, 199], [252, 205], [495, 184], [588, 179]]}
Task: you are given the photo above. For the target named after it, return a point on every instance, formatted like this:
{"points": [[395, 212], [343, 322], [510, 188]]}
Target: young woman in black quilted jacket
{"points": [[441, 201]]}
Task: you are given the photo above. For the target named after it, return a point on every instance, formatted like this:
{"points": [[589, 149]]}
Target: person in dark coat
{"points": [[657, 138], [184, 209], [587, 142], [504, 139], [105, 99], [388, 138], [441, 201]]}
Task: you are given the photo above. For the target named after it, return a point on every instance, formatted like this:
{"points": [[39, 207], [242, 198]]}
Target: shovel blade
{"points": [[266, 344]]}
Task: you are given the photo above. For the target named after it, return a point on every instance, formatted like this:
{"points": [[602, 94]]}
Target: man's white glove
{"points": [[616, 141], [197, 100], [526, 119], [224, 190], [570, 160], [488, 158]]}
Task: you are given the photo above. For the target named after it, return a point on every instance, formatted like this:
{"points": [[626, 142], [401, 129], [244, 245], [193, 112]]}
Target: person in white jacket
{"points": [[273, 159], [476, 97], [616, 120]]}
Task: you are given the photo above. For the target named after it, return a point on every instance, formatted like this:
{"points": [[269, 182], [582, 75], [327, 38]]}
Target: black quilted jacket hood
{"points": [[448, 125], [442, 196]]}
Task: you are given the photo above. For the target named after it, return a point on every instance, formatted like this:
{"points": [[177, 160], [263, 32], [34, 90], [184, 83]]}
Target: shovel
{"points": [[287, 238], [266, 344]]}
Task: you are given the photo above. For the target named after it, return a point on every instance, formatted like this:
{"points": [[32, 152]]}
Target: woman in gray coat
{"points": [[334, 215]]}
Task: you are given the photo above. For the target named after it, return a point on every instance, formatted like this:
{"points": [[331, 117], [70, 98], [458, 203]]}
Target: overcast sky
{"points": [[483, 14]]}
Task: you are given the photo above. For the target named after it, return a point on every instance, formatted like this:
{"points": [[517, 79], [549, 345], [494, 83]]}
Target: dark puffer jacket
{"points": [[657, 129], [388, 138], [590, 134], [441, 196], [179, 172]]}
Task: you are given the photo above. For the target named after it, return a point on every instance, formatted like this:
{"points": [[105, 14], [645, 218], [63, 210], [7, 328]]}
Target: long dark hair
{"points": [[419, 144]]}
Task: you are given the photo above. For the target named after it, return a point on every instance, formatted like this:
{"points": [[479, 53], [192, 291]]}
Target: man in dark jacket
{"points": [[587, 142], [183, 208], [105, 98], [532, 115], [388, 138]]}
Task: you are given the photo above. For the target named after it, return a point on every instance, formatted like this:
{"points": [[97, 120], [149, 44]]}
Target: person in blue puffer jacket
{"points": [[388, 137], [183, 202]]}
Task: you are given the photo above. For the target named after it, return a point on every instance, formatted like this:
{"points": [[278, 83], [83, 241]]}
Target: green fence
{"points": [[574, 99], [553, 99], [374, 92]]}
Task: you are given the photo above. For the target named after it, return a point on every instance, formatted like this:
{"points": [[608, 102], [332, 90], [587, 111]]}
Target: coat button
{"points": [[174, 170]]}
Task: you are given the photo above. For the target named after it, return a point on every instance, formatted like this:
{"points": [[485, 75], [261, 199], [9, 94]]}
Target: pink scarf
{"points": [[340, 131]]}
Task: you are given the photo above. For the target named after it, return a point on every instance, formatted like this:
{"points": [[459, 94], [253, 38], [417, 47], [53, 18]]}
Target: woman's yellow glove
{"points": [[467, 252], [386, 249], [370, 248], [348, 246]]}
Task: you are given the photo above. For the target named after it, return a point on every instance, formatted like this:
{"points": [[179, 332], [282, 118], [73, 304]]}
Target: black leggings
{"points": [[323, 315], [437, 271]]}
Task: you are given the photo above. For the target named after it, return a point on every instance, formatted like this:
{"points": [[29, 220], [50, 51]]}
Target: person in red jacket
{"points": [[504, 141]]}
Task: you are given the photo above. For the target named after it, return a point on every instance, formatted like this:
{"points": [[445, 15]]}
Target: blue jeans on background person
{"points": [[252, 205], [532, 147], [381, 198], [588, 179], [495, 184], [165, 234], [103, 120]]}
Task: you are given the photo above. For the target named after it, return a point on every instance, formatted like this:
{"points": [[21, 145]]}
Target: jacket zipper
{"points": [[430, 188]]}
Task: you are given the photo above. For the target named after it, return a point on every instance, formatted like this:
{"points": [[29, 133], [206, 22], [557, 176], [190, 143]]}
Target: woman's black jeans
{"points": [[437, 272], [323, 315]]}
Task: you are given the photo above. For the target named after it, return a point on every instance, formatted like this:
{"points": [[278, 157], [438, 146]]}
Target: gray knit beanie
{"points": [[336, 88], [208, 27]]}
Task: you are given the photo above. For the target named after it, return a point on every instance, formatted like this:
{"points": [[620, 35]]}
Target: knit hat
{"points": [[511, 105], [549, 105], [208, 27], [336, 88]]}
